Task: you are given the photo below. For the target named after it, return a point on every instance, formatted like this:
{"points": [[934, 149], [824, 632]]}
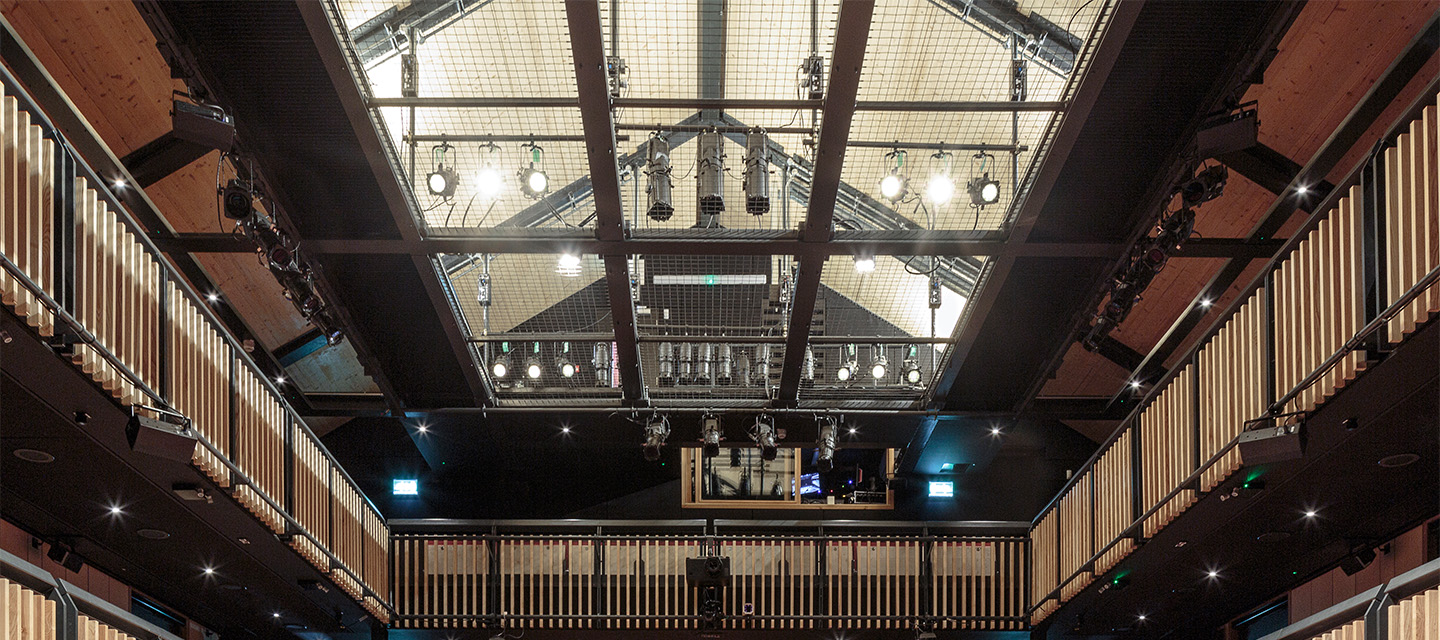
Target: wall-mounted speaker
{"points": [[160, 438]]}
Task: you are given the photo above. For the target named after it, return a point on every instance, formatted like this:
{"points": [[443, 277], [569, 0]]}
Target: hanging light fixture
{"points": [[442, 179], [847, 364], [879, 364], [910, 369], [864, 264], [657, 170], [568, 265], [825, 444], [941, 186], [488, 182], [709, 179], [500, 367], [982, 189], [563, 362], [656, 431], [895, 185], [763, 433], [710, 435], [534, 183], [757, 173], [532, 364]]}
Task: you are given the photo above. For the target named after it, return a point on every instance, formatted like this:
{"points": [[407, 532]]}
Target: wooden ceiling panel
{"points": [[1085, 374]]}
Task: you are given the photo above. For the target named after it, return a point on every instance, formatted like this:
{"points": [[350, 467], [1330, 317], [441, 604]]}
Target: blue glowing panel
{"points": [[409, 487], [942, 489]]}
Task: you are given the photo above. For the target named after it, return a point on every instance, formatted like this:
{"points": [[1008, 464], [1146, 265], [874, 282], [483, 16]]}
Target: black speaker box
{"points": [[160, 438], [713, 571], [1272, 444]]}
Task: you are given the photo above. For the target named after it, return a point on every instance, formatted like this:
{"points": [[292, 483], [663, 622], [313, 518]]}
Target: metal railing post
{"points": [[1377, 616], [67, 615]]}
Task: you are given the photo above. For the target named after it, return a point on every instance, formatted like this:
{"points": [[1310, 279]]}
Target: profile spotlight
{"points": [[879, 364], [667, 365], [825, 445], [238, 200], [757, 174], [709, 174], [983, 190], [1207, 185], [600, 359], [763, 433], [656, 431], [894, 185], [563, 362], [724, 365], [657, 169], [710, 435], [807, 367], [442, 179], [533, 181], [941, 186]]}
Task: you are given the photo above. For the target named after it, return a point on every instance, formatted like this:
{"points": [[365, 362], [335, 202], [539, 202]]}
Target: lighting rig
{"points": [[983, 191], [763, 433], [757, 173], [710, 435], [657, 429], [825, 444], [657, 171], [280, 253]]}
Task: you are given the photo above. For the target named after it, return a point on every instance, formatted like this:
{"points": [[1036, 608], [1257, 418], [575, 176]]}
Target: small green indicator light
{"points": [[710, 280]]}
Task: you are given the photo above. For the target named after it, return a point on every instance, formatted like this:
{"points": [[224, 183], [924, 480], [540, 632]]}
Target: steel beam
{"points": [[587, 43], [853, 28], [1271, 170], [1003, 20], [932, 106], [1381, 94]]}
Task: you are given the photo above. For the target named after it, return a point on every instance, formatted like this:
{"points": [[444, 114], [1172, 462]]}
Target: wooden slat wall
{"points": [[312, 497], [1167, 450], [27, 207], [259, 446], [1114, 501], [1350, 631], [1077, 544], [1412, 220], [1232, 373], [1044, 564], [376, 573], [95, 630], [199, 369], [1319, 294], [24, 614], [347, 539], [1416, 617], [978, 579]]}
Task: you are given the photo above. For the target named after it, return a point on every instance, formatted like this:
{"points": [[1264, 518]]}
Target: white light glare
{"points": [[1310, 513], [990, 192], [1205, 304], [1302, 190], [892, 187], [279, 379], [994, 431], [488, 182], [533, 370], [568, 265], [864, 264], [567, 370], [209, 571], [214, 297], [1134, 384], [499, 369], [538, 181], [940, 189], [852, 431], [1213, 574], [877, 371], [115, 510], [422, 429], [437, 183]]}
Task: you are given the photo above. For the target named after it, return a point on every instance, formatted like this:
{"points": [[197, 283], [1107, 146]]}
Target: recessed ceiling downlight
{"points": [[34, 455], [1389, 462], [152, 534]]}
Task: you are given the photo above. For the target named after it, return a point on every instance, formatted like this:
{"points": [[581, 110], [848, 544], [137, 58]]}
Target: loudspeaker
{"points": [[160, 438], [707, 572], [65, 557], [1357, 560], [1272, 444], [1227, 135]]}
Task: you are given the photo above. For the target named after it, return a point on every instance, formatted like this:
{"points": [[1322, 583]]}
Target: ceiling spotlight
{"points": [[1310, 513], [657, 170], [532, 368], [533, 181], [1302, 190], [442, 180], [710, 435], [983, 190], [214, 297], [1205, 303], [825, 445], [501, 365], [238, 200], [864, 264], [564, 429], [666, 356], [763, 433], [709, 179], [279, 379], [1140, 617], [275, 615], [757, 174], [910, 369], [1207, 185], [119, 184], [1134, 384], [1212, 574], [563, 361], [941, 186], [847, 367], [879, 364], [422, 428], [568, 265], [852, 431], [994, 431], [894, 186], [656, 431], [115, 510], [209, 571], [487, 180]]}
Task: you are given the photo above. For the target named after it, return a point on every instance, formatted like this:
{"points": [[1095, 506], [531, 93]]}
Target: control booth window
{"points": [[739, 477]]}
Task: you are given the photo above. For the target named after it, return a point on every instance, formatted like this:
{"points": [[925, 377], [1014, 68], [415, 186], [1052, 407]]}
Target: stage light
{"points": [[564, 429], [119, 184], [911, 371], [1212, 574], [563, 362], [1302, 190], [757, 174], [941, 186], [894, 185], [279, 379], [825, 445], [1205, 304], [209, 571], [762, 365], [983, 190], [488, 182], [710, 435], [864, 264], [275, 614], [704, 362], [709, 177], [532, 368], [807, 367], [533, 181], [422, 429], [1207, 185], [1134, 384], [879, 364], [442, 180], [687, 365], [994, 431], [568, 265], [500, 366], [853, 430], [657, 170], [1310, 513], [847, 366], [666, 356], [724, 365], [763, 433], [238, 200], [600, 360], [656, 431]]}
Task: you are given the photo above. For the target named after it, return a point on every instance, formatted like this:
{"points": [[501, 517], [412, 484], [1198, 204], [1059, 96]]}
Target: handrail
{"points": [[1397, 588], [102, 187], [445, 526], [16, 566]]}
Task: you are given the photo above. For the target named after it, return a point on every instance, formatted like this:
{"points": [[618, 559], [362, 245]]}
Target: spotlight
{"points": [[724, 365], [488, 182], [1212, 574], [687, 365], [275, 614], [533, 181], [864, 264], [1302, 190], [941, 187], [1134, 384], [757, 174], [238, 200], [656, 431], [532, 368], [209, 571], [422, 429], [994, 431], [666, 377], [825, 446], [879, 364], [1207, 185], [704, 361], [807, 367], [1205, 304], [501, 365], [1310, 513], [442, 180], [115, 510], [709, 174], [894, 186], [983, 190], [911, 371], [657, 169], [763, 433], [564, 429], [710, 435], [214, 297], [119, 184], [563, 363], [279, 379], [568, 265], [600, 359], [847, 366]]}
